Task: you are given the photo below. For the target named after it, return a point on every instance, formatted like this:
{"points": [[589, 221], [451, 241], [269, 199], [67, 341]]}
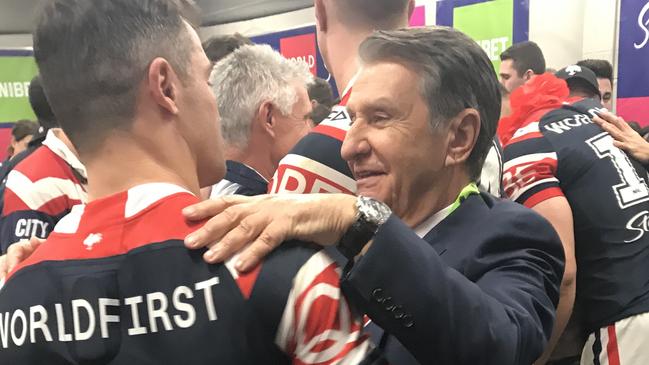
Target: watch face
{"points": [[374, 211]]}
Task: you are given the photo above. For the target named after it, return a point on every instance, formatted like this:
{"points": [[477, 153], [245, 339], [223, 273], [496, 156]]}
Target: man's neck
{"points": [[260, 162], [123, 163], [343, 57], [431, 201]]}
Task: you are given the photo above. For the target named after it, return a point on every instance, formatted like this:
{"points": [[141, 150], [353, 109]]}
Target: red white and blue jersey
{"points": [[561, 152], [39, 191], [315, 165], [114, 284]]}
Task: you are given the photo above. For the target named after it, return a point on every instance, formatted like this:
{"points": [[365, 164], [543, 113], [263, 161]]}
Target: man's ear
{"points": [[321, 15], [266, 117], [462, 136], [528, 75], [162, 85]]}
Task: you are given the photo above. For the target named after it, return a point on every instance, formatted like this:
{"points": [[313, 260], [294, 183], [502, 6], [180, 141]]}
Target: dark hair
{"points": [[582, 87], [376, 14], [217, 48], [442, 56], [92, 56], [319, 113], [602, 68], [41, 107], [24, 128], [320, 91], [525, 56]]}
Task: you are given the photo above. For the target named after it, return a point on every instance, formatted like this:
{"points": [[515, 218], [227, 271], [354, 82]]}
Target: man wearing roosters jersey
{"points": [[566, 167], [114, 284], [314, 165], [41, 189]]}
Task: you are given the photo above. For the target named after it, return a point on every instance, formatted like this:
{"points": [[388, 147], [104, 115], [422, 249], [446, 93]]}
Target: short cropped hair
{"points": [[375, 14], [92, 56], [320, 91], [248, 77], [455, 72], [602, 68], [218, 47], [40, 105], [525, 56]]}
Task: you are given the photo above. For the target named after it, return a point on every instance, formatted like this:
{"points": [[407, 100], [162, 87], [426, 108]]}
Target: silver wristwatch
{"points": [[370, 215]]}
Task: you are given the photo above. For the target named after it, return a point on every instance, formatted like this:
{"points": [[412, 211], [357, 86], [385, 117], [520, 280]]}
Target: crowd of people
{"points": [[187, 202]]}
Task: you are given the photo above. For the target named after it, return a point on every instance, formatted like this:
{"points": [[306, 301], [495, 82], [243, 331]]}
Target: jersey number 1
{"points": [[633, 189]]}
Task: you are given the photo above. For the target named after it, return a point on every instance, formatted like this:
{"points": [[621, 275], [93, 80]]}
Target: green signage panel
{"points": [[16, 72], [489, 23]]}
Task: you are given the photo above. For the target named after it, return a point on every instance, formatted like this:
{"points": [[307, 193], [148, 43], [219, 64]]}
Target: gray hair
{"points": [[456, 74], [250, 76]]}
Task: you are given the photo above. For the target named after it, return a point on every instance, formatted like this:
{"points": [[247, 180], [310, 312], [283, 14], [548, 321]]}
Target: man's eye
{"points": [[380, 117]]}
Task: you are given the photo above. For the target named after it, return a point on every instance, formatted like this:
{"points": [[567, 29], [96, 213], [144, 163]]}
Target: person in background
{"points": [[264, 106], [519, 63], [341, 26], [21, 134], [604, 72], [44, 183], [218, 47], [124, 248], [322, 99], [570, 171], [581, 82]]}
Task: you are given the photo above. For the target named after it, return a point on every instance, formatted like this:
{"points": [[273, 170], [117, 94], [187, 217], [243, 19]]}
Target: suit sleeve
{"points": [[503, 317], [530, 168]]}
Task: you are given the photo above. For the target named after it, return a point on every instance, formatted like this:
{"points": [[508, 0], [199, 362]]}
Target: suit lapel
{"points": [[439, 237]]}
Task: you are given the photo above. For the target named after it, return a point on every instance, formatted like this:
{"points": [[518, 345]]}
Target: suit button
{"points": [[407, 321], [387, 304], [377, 295], [398, 312]]}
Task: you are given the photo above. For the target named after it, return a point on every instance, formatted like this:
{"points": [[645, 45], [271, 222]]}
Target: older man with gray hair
{"points": [[447, 273], [264, 106]]}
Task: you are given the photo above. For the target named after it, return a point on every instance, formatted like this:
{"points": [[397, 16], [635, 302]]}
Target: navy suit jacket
{"points": [[481, 287]]}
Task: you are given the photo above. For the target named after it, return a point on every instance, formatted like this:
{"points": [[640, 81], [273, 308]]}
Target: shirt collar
{"points": [[431, 222], [56, 145]]}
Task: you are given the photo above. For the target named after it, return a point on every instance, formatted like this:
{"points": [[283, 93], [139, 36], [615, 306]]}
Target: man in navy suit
{"points": [[451, 274]]}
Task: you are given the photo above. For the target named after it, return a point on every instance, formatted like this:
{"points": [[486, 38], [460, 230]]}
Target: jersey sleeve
{"points": [[317, 325], [530, 167], [32, 208]]}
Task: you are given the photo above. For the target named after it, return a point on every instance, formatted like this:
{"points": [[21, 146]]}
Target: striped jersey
{"points": [[561, 152], [315, 165], [114, 284], [39, 191]]}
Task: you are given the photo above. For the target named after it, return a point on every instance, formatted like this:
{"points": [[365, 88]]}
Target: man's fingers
{"points": [[210, 208], [3, 267], [612, 129], [17, 253], [218, 226], [267, 241], [247, 231], [614, 119]]}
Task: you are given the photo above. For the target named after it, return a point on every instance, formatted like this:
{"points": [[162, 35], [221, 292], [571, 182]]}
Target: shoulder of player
{"points": [[163, 216], [42, 163]]}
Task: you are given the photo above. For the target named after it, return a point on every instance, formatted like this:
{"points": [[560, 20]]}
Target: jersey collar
{"points": [[56, 145]]}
